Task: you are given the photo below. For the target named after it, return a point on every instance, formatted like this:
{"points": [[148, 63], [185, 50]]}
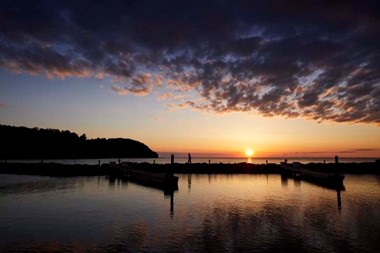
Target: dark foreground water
{"points": [[217, 213]]}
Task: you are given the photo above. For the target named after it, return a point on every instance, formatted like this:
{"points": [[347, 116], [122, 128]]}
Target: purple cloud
{"points": [[313, 59]]}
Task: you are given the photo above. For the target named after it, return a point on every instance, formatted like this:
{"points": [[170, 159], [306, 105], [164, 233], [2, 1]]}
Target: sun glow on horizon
{"points": [[249, 152]]}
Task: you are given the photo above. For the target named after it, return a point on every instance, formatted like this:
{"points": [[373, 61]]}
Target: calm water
{"points": [[217, 213], [163, 160]]}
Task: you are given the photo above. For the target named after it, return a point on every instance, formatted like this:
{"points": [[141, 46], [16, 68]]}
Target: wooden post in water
{"points": [[336, 159], [172, 159], [172, 204], [339, 200]]}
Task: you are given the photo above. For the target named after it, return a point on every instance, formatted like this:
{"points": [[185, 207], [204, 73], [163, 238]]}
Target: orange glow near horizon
{"points": [[276, 152], [230, 135]]}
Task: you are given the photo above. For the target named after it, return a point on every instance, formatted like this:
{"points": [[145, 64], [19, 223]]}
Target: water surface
{"points": [[182, 159], [209, 213]]}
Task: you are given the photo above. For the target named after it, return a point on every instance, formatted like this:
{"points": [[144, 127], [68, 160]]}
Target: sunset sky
{"points": [[284, 78]]}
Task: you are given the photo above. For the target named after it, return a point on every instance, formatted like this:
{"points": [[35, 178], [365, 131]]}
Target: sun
{"points": [[249, 152]]}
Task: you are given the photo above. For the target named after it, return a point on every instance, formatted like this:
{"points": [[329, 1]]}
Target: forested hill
{"points": [[36, 143]]}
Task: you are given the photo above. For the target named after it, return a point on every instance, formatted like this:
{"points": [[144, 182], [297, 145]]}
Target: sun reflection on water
{"points": [[209, 213]]}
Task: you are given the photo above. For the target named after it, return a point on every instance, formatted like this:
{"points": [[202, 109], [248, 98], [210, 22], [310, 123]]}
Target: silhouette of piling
{"points": [[172, 159], [171, 204], [339, 200], [336, 159]]}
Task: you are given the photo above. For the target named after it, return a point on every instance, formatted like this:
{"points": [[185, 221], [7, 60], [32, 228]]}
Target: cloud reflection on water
{"points": [[221, 213]]}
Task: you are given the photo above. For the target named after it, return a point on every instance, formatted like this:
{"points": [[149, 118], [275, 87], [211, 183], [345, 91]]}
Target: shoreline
{"points": [[62, 170]]}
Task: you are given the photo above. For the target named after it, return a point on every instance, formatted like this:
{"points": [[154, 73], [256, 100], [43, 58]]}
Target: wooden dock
{"points": [[331, 180], [154, 179]]}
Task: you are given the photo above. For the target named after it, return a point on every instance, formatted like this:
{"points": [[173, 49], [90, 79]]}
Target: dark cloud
{"points": [[314, 59], [358, 150], [366, 149]]}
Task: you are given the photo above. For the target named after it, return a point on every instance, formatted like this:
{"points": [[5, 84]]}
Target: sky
{"points": [[284, 78]]}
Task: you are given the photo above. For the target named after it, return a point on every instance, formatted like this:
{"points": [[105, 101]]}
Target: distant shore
{"points": [[57, 169], [38, 143]]}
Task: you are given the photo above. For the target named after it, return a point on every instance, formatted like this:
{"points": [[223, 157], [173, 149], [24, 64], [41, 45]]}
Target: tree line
{"points": [[38, 143]]}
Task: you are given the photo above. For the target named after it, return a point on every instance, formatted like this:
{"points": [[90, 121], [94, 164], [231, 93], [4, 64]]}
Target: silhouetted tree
{"points": [[37, 143]]}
